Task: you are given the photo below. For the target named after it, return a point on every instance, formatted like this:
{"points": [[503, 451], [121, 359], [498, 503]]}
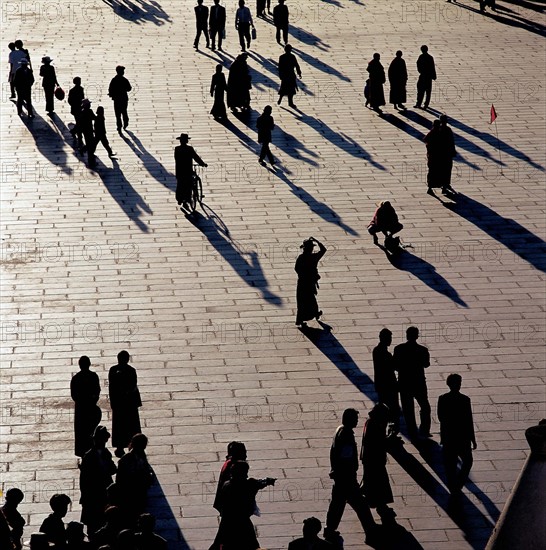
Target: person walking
{"points": [[49, 82], [184, 157], [398, 77], [15, 57], [265, 125], [377, 79], [446, 152], [310, 540], [243, 22], [288, 67], [85, 123], [124, 401], [434, 173], [118, 91], [85, 392], [280, 20], [456, 433], [308, 277], [427, 73], [218, 87], [100, 132], [217, 24], [344, 468], [76, 95], [23, 52], [23, 81], [239, 84], [410, 361], [201, 21]]}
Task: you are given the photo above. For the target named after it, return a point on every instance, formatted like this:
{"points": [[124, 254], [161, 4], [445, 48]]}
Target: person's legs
{"points": [[428, 91], [197, 36], [19, 102], [124, 114], [408, 408], [357, 501], [450, 466], [285, 33], [269, 154], [49, 107], [220, 38], [117, 111], [213, 31], [28, 101], [278, 35], [420, 92], [262, 152], [467, 460], [241, 31], [206, 33], [106, 145], [336, 508], [421, 396], [12, 88], [247, 36]]}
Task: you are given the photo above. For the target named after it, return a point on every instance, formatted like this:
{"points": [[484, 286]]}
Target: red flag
{"points": [[493, 114]]}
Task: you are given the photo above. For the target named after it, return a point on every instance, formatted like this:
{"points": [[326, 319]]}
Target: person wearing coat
{"points": [[201, 22], [239, 84], [118, 91], [265, 125], [217, 24], [218, 88], [288, 67], [23, 81], [76, 95], [280, 20], [377, 79], [398, 77], [427, 73], [49, 82]]}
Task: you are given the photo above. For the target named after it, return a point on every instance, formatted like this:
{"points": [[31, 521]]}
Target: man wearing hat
{"points": [[49, 81], [119, 86], [184, 156], [23, 81]]}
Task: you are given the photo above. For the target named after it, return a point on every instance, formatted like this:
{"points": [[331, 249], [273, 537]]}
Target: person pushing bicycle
{"points": [[184, 156]]}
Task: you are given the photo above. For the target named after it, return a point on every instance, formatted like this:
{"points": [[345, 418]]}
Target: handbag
{"points": [[59, 93], [253, 33]]}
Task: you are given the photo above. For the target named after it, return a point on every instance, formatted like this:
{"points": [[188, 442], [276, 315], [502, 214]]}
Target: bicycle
{"points": [[196, 192]]}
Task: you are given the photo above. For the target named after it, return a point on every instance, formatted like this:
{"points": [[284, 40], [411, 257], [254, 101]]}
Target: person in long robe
{"points": [[377, 79], [239, 84], [432, 141], [288, 67], [85, 392], [447, 152], [398, 78], [218, 88], [124, 401], [308, 277]]}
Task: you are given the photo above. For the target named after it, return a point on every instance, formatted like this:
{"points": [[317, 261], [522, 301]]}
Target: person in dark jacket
{"points": [[184, 157], [218, 88], [446, 152], [310, 539], [124, 401], [16, 522], [85, 392], [344, 468], [377, 79], [23, 81], [280, 20], [288, 67], [5, 538], [427, 73], [398, 77], [49, 82], [145, 538], [265, 125], [456, 433], [118, 91], [85, 123], [385, 220], [76, 95], [75, 537], [239, 84], [201, 22], [217, 24], [410, 361], [100, 132], [53, 526], [434, 173]]}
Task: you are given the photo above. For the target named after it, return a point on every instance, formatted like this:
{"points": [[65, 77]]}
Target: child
{"points": [[100, 132], [15, 520], [53, 525]]}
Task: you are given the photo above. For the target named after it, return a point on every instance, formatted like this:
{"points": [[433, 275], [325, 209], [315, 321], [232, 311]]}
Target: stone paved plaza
{"points": [[95, 261]]}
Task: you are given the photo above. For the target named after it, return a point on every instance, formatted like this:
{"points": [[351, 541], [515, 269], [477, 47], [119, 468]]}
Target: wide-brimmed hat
{"points": [[183, 136], [46, 59], [308, 243]]}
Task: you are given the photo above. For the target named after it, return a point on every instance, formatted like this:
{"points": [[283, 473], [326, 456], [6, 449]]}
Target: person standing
{"points": [[76, 95], [434, 173], [243, 22], [100, 132], [201, 21], [49, 81], [398, 77], [85, 392], [16, 522], [446, 151], [14, 57], [23, 81], [308, 277], [427, 73], [344, 468], [265, 125], [280, 20], [118, 91], [456, 433], [288, 67], [184, 157], [410, 361], [217, 24], [124, 401], [218, 88], [239, 84], [377, 79], [85, 123]]}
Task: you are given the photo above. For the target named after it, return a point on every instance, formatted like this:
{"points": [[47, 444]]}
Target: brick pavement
{"points": [[94, 262]]}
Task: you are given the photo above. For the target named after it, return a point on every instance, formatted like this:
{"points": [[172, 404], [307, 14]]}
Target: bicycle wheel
{"points": [[199, 190], [194, 194]]}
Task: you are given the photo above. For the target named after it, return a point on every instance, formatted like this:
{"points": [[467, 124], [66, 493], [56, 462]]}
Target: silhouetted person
{"points": [[15, 56], [134, 478], [100, 132], [239, 84], [260, 8], [126, 540], [5, 538], [456, 433], [398, 77], [384, 377], [75, 537], [76, 95], [427, 73], [344, 468], [377, 79], [108, 533], [410, 360], [217, 24], [145, 538], [49, 81], [243, 22], [237, 505], [184, 157], [288, 67], [385, 220], [310, 539], [86, 124], [446, 152], [53, 526], [16, 522], [218, 87], [118, 91], [308, 281], [124, 401], [24, 52], [373, 454], [201, 22], [265, 125], [280, 20], [96, 471], [23, 81], [434, 164]]}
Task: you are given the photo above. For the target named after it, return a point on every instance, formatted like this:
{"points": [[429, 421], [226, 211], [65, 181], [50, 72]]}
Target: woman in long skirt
{"points": [[218, 87]]}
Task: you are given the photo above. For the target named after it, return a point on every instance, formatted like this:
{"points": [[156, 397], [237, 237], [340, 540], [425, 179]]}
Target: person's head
{"points": [[288, 48], [443, 119], [399, 53], [436, 124], [454, 382], [101, 435], [424, 49], [239, 470], [100, 111], [311, 528], [39, 541], [350, 418], [376, 56], [242, 57], [138, 442], [77, 81], [385, 336], [236, 450], [268, 109], [46, 60], [307, 246], [59, 503], [412, 333], [241, 3], [14, 496], [146, 523], [219, 68], [112, 515], [18, 44], [123, 357], [281, 2], [380, 413], [125, 540], [216, 2], [86, 104], [120, 69], [84, 362], [199, 2], [11, 46], [183, 139], [24, 63], [74, 532]]}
